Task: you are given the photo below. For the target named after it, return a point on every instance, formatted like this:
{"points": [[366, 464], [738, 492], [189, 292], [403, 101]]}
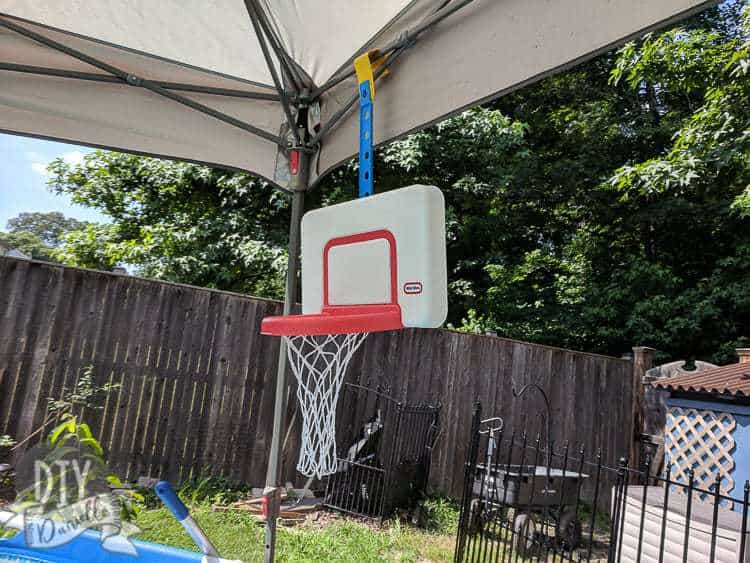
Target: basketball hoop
{"points": [[319, 348], [368, 265]]}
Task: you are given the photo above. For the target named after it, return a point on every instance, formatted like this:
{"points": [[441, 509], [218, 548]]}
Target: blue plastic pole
{"points": [[365, 140], [178, 509]]}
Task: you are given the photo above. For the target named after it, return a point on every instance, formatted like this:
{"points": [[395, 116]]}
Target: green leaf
{"points": [[58, 431], [94, 445]]}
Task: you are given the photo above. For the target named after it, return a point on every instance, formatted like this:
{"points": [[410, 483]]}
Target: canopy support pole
{"points": [[272, 492]]}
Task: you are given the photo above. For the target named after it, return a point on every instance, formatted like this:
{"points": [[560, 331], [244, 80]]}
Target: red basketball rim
{"points": [[336, 319]]}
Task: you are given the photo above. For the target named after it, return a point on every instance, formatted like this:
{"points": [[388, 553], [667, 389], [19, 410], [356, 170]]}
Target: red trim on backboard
{"points": [[358, 238], [344, 319]]}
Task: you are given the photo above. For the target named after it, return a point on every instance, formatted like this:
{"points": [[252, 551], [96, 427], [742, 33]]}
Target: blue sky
{"points": [[23, 178]]}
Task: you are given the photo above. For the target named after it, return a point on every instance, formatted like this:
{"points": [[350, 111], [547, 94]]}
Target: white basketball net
{"points": [[319, 364]]}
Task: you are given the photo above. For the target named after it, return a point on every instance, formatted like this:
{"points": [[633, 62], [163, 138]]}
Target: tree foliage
{"points": [[38, 234], [177, 221], [50, 227], [660, 237], [30, 244]]}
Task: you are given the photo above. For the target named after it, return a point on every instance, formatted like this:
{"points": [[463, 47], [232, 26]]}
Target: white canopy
{"points": [[189, 79]]}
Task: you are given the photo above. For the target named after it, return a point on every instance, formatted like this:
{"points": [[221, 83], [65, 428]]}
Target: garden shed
{"points": [[681, 516], [707, 427]]}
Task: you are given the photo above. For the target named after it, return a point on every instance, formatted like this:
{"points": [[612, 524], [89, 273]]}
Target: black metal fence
{"points": [[525, 501], [387, 464]]}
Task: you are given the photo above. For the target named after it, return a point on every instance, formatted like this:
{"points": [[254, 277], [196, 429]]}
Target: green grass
{"points": [[440, 515], [237, 536]]}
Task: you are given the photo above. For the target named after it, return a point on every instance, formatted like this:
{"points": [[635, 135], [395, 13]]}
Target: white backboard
{"points": [[386, 248]]}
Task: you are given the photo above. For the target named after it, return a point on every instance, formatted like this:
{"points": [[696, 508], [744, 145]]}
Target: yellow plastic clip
{"points": [[365, 65]]}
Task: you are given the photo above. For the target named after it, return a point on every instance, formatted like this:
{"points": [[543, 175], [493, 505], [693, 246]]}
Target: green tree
{"points": [[38, 234], [49, 227], [689, 201], [94, 246], [651, 246], [177, 221], [30, 244]]}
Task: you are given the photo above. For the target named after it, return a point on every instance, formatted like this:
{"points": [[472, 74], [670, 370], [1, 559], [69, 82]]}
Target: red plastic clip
{"points": [[294, 163]]}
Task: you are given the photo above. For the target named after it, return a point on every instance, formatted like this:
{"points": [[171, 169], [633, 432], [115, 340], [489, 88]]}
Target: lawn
{"points": [[237, 535]]}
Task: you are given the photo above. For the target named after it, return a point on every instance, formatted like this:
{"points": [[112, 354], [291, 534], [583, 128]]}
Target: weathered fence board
{"points": [[197, 378]]}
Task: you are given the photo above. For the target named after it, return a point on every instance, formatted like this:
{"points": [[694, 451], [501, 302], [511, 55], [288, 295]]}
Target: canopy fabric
{"points": [[487, 49], [189, 79]]}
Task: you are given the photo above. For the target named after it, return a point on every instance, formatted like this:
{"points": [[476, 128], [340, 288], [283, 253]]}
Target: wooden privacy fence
{"points": [[197, 379]]}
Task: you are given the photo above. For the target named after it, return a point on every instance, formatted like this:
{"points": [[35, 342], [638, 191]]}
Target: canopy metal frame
{"points": [[405, 40], [132, 80], [257, 20], [178, 86], [292, 89]]}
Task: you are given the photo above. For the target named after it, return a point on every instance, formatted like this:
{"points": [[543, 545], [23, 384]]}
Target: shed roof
{"points": [[733, 379]]}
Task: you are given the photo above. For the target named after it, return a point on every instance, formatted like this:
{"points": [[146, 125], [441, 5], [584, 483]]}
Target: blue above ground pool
{"points": [[87, 547]]}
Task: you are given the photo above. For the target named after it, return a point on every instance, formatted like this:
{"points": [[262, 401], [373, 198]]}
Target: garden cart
{"points": [[525, 499]]}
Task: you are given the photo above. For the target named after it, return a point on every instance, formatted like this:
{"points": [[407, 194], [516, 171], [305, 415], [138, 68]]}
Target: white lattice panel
{"points": [[701, 440]]}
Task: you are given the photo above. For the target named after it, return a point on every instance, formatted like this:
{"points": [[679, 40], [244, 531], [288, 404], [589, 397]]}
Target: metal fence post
{"points": [[745, 503], [463, 519], [619, 509]]}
